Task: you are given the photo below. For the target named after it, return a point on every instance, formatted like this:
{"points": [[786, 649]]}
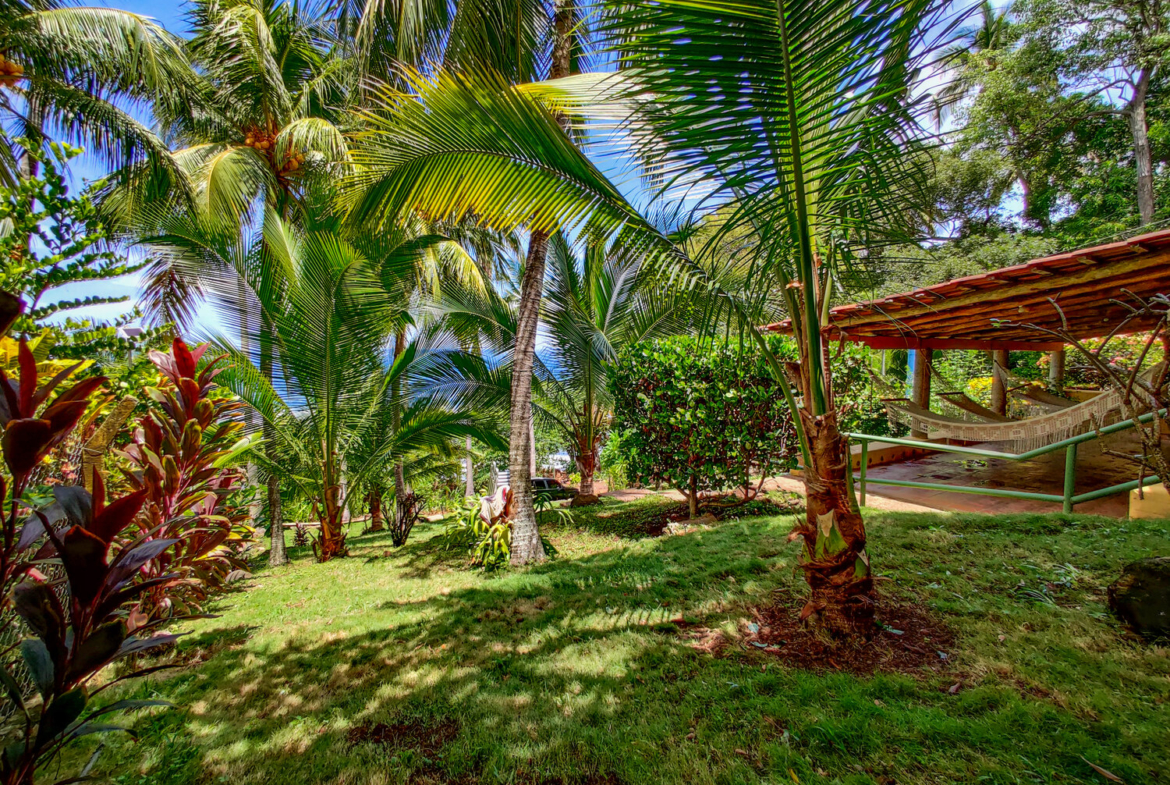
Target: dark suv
{"points": [[551, 489]]}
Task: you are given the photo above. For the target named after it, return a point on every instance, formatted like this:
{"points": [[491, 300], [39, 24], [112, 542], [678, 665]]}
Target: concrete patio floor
{"points": [[1095, 469]]}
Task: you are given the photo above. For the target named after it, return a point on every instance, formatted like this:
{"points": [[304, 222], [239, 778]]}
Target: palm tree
{"points": [[330, 314], [472, 144], [263, 125], [977, 42], [265, 122], [519, 41], [592, 308], [797, 120], [64, 68]]}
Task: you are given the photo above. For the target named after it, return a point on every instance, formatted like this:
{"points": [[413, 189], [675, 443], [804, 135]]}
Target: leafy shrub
{"points": [[700, 417], [71, 243], [177, 455], [488, 541]]}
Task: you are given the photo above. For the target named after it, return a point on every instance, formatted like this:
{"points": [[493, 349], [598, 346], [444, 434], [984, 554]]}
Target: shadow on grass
{"points": [[571, 672]]}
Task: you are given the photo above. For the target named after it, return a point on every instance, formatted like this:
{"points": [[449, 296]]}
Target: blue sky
{"points": [[85, 168]]}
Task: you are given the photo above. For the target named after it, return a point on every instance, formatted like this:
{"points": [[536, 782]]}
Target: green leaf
{"points": [[40, 665], [60, 714]]}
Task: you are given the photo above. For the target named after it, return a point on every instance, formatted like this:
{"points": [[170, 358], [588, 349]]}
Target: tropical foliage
{"points": [[700, 417], [179, 456], [78, 622]]}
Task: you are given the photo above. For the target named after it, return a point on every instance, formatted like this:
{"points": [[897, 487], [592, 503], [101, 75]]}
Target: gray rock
{"points": [[1141, 596]]}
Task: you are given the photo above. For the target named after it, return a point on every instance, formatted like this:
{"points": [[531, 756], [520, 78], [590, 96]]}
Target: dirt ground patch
{"points": [[427, 740], [910, 639]]}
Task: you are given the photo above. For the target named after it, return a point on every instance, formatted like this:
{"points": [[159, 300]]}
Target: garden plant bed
{"points": [[909, 639]]}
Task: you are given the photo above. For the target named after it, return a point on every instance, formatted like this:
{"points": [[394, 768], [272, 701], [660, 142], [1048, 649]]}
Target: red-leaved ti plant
{"points": [[174, 456], [33, 425], [78, 621], [79, 627]]}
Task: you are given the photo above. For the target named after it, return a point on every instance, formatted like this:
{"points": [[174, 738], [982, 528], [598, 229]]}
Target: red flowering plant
{"points": [[177, 457]]}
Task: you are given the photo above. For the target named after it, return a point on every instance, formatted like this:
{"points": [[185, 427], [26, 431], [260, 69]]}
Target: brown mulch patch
{"points": [[910, 640], [702, 638], [427, 740]]}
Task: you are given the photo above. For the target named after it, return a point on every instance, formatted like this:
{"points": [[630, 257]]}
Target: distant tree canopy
{"points": [[1055, 117], [699, 416]]}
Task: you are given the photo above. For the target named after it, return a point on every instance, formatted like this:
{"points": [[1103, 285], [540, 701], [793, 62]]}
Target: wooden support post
{"points": [[921, 383], [998, 390], [1056, 371]]}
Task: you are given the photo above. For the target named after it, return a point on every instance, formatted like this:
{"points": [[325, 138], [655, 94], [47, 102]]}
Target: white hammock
{"points": [[1021, 435]]}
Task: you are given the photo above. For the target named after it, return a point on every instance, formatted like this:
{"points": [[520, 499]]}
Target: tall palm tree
{"points": [[519, 41], [264, 124], [66, 68], [473, 144], [976, 42], [797, 119]]}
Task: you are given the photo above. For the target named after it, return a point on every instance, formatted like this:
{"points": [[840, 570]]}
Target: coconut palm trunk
{"points": [[400, 489], [375, 507], [526, 545], [277, 554], [469, 469], [587, 466]]}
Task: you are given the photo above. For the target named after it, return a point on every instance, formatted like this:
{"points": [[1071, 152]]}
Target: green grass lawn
{"points": [[403, 666]]}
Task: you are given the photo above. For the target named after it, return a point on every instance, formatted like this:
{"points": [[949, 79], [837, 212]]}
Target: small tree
{"points": [[50, 239], [699, 417]]}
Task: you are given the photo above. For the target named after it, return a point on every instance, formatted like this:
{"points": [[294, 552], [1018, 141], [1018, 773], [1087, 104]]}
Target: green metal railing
{"points": [[1069, 498]]}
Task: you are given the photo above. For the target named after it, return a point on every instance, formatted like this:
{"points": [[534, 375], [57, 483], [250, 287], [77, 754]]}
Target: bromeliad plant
{"points": [[484, 533], [177, 454]]}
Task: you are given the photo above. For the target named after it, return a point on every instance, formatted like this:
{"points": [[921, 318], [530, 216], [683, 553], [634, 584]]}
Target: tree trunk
{"points": [[693, 497], [835, 561], [469, 468], [587, 465], [998, 389], [375, 499], [332, 542], [921, 391], [396, 423], [277, 555], [526, 545], [1140, 130]]}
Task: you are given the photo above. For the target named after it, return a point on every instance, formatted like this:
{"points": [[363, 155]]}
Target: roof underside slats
{"points": [[1001, 309]]}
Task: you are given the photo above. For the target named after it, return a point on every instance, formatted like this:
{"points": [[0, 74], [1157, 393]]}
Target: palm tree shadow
{"points": [[535, 676]]}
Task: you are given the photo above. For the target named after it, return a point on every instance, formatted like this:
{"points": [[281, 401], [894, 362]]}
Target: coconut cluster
{"points": [[261, 140], [265, 143], [10, 72], [294, 162]]}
